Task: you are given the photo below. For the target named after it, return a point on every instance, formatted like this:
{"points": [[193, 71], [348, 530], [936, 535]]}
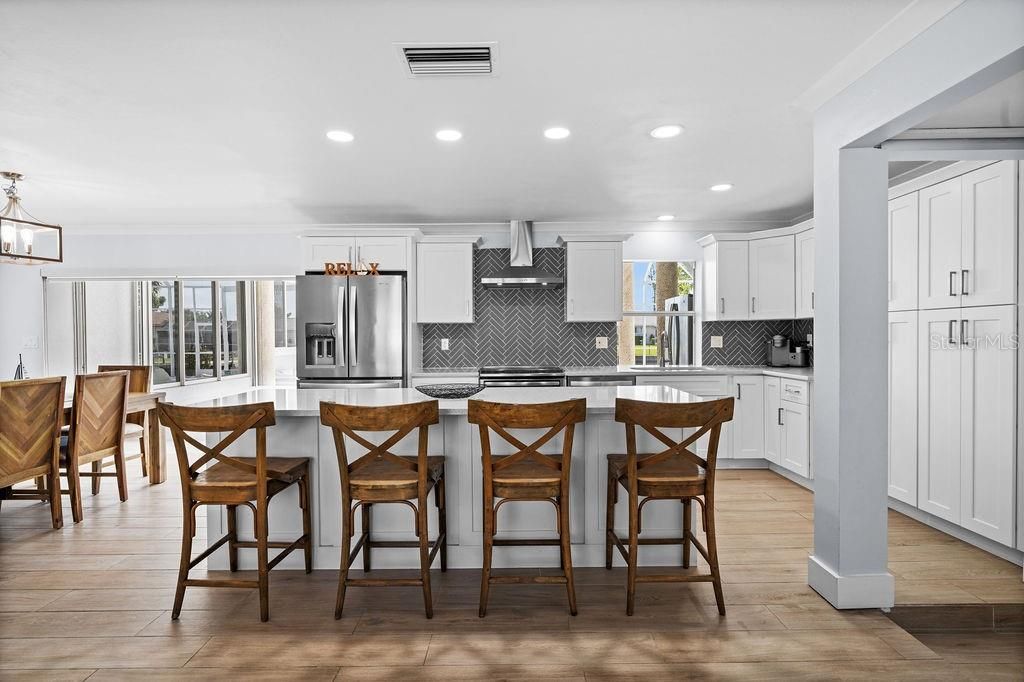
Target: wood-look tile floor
{"points": [[92, 601]]}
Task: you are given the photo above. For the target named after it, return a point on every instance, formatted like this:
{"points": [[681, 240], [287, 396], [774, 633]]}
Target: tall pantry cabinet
{"points": [[952, 350]]}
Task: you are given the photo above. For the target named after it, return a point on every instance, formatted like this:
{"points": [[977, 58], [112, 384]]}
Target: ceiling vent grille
{"points": [[448, 60]]}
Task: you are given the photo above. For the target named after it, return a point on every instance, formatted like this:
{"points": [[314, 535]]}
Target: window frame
{"points": [[179, 286]]}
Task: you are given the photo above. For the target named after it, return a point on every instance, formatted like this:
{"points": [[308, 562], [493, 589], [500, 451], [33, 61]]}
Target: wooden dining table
{"points": [[156, 460]]}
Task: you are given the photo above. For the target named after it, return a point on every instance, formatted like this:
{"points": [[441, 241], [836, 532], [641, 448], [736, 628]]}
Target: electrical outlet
{"points": [[810, 339], [444, 344], [716, 342], [600, 342]]}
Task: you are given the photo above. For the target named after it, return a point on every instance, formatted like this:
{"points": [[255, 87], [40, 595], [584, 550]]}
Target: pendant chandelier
{"points": [[26, 240]]}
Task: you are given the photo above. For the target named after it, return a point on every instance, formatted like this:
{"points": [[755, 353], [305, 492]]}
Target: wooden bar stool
{"points": [[382, 477], [234, 481], [527, 475], [31, 413], [135, 424], [676, 473], [96, 432]]}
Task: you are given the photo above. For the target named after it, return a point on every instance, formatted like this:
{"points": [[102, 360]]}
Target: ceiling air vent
{"points": [[475, 59]]}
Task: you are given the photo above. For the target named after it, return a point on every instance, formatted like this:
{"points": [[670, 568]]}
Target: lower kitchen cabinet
{"points": [[788, 424], [708, 387], [967, 418], [748, 417]]}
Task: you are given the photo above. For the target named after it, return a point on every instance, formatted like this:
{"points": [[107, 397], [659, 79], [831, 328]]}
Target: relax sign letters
{"points": [[346, 269]]}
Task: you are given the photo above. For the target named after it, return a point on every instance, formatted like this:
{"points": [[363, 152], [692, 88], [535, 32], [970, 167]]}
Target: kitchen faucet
{"points": [[662, 350]]}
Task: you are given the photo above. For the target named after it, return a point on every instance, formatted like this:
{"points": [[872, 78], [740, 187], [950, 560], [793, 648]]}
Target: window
{"points": [[164, 332], [659, 309], [284, 314], [232, 328], [199, 330], [197, 311]]}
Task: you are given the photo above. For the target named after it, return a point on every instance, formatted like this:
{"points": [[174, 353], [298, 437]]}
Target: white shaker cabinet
{"points": [[988, 258], [772, 278], [707, 387], [968, 239], [726, 281], [903, 346], [805, 274], [390, 253], [444, 282], [988, 376], [903, 252], [593, 281], [747, 425], [796, 429], [938, 465], [787, 424]]}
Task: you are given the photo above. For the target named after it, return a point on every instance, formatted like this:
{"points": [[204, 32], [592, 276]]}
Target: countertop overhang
{"points": [[292, 402]]}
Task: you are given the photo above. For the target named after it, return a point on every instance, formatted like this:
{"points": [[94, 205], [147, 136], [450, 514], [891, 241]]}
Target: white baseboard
{"points": [[872, 591]]}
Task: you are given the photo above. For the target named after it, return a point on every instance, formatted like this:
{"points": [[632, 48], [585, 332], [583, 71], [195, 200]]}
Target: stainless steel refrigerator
{"points": [[352, 331]]}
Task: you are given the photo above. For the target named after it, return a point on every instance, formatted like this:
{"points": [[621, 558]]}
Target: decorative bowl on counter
{"points": [[450, 391]]}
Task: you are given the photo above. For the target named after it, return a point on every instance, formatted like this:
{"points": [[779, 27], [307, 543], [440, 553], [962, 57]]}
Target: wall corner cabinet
{"points": [[593, 281], [767, 275]]}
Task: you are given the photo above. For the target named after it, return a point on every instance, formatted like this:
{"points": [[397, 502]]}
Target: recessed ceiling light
{"points": [[556, 133], [340, 136], [448, 135], [665, 218], [667, 131], [722, 187]]}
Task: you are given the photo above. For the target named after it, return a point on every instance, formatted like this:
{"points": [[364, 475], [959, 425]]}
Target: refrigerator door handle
{"points": [[354, 326], [340, 343]]}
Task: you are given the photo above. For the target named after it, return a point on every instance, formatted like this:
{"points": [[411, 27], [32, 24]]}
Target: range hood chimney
{"points": [[521, 272]]}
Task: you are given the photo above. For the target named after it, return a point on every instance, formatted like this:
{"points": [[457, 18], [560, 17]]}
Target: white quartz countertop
{"points": [[292, 402], [800, 373]]}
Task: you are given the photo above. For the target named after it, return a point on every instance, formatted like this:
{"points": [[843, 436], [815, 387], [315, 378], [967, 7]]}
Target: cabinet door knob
{"points": [[721, 307], [952, 338], [753, 304], [739, 392], [781, 423], [952, 282], [963, 282]]}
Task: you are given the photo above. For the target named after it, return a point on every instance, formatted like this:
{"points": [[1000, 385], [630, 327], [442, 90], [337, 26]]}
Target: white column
{"points": [[848, 566]]}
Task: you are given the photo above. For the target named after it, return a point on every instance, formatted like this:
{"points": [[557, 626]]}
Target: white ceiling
{"points": [[190, 112]]}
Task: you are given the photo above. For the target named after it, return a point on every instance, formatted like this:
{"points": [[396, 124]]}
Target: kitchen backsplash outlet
{"points": [[518, 326], [745, 342]]}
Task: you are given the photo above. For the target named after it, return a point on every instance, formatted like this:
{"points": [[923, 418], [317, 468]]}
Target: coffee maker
{"points": [[782, 352]]}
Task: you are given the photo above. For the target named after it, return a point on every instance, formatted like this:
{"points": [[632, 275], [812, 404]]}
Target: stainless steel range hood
{"points": [[521, 272]]}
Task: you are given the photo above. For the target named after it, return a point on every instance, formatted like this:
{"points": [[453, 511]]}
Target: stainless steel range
{"points": [[514, 377]]}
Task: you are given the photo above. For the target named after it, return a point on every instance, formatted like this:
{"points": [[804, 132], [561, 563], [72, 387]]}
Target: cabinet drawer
{"points": [[794, 391]]}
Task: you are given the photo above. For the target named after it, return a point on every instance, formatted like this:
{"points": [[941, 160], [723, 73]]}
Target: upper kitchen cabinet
{"points": [[444, 281], [593, 281], [968, 239], [772, 278], [903, 252], [389, 253], [805, 273], [725, 280]]}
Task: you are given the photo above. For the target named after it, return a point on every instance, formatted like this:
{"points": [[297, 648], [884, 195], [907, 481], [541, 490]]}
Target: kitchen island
{"points": [[299, 433]]}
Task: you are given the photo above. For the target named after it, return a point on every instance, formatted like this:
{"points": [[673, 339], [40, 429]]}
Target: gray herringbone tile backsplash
{"points": [[746, 341], [518, 326]]}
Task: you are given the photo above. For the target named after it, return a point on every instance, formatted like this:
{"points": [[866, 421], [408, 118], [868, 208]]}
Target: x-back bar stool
{"points": [[380, 477], [528, 474], [675, 473]]}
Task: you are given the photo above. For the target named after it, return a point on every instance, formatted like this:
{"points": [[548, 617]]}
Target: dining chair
{"points": [[675, 473], [135, 426], [527, 475], [96, 433], [381, 477], [216, 478], [31, 413]]}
